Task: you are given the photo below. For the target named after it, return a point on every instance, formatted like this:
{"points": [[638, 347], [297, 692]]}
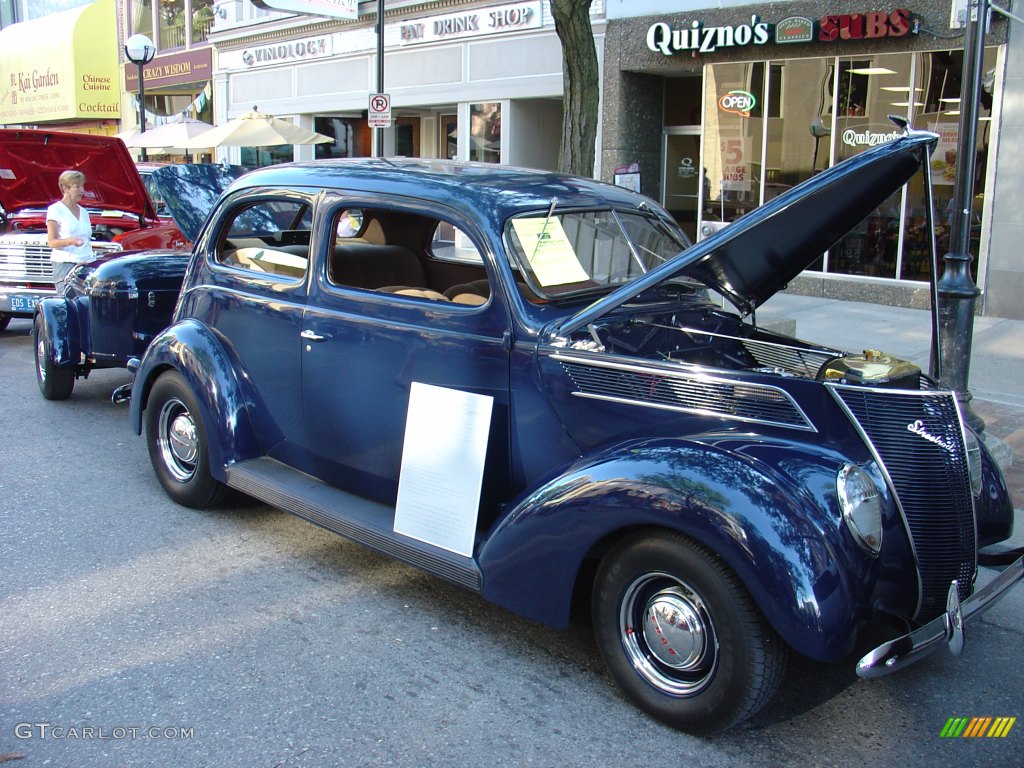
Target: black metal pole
{"points": [[380, 69], [956, 290], [142, 112]]}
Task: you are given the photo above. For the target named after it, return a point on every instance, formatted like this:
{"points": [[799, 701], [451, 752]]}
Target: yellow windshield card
{"points": [[549, 251]]}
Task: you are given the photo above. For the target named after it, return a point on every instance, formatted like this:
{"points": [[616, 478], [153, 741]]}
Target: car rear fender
{"points": [[533, 557], [195, 352], [63, 329]]}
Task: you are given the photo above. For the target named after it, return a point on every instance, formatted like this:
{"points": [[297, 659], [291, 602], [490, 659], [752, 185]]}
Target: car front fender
{"points": [[197, 354], [733, 505], [61, 324]]}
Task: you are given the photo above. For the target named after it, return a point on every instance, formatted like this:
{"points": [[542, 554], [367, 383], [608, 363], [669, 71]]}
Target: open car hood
{"points": [[191, 190], [753, 258], [31, 161]]}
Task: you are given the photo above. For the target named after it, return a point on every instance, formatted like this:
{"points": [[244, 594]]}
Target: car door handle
{"points": [[311, 336]]}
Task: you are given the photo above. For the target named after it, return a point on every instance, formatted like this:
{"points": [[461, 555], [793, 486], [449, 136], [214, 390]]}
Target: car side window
{"points": [[268, 237], [395, 252], [450, 242]]}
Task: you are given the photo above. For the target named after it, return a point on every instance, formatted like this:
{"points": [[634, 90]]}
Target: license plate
{"points": [[23, 303]]}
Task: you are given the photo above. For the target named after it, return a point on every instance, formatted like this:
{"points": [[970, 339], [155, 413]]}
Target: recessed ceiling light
{"points": [[872, 71]]}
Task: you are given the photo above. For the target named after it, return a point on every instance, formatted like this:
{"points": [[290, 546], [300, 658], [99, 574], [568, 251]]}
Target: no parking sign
{"points": [[380, 110]]}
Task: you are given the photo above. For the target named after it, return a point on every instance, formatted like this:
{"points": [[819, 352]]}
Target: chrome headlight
{"points": [[974, 462], [862, 507]]}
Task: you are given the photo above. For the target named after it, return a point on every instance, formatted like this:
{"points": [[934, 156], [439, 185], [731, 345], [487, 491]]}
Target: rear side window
{"points": [[269, 237], [451, 243]]}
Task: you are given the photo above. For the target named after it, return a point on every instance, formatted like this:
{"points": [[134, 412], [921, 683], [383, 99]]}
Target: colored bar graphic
{"points": [[977, 727]]}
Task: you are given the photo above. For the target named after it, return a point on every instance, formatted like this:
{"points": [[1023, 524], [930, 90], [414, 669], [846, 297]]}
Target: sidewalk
{"points": [[996, 378]]}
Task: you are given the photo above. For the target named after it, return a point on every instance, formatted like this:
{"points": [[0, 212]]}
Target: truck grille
{"points": [[25, 262], [918, 438], [29, 262]]}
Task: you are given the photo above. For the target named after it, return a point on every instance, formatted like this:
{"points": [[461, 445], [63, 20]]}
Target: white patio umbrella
{"points": [[255, 129], [175, 134]]}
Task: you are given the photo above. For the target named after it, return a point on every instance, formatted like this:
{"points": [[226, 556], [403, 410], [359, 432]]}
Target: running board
{"points": [[363, 521]]}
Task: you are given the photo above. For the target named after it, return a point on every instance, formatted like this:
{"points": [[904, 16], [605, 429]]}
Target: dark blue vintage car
{"points": [[109, 309], [520, 382]]}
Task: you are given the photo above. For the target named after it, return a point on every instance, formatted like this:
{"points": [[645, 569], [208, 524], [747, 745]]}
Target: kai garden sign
{"points": [[697, 38]]}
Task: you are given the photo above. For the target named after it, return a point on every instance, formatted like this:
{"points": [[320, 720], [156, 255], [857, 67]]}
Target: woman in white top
{"points": [[68, 227]]}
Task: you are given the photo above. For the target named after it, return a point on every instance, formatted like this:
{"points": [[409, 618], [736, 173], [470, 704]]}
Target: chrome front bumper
{"points": [[947, 629]]}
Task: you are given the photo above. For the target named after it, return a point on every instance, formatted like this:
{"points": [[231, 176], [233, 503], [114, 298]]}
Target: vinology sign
{"points": [[695, 38]]}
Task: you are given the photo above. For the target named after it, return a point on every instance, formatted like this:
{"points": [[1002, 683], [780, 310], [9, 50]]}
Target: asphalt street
{"points": [[134, 632]]}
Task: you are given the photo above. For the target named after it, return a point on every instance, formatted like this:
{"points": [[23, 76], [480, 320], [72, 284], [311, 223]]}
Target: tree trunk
{"points": [[581, 89]]}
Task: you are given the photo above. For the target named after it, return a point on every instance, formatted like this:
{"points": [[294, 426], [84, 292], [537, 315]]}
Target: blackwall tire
{"points": [[55, 383], [178, 444], [5, 320], [681, 636]]}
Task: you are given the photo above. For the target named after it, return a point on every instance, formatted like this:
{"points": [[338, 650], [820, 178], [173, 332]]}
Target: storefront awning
{"points": [[61, 67]]}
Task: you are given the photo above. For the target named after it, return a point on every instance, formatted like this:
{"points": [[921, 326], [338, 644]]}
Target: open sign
{"points": [[737, 102]]}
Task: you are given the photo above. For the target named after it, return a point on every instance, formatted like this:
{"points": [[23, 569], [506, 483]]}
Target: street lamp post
{"points": [[380, 71], [140, 50], [957, 292]]}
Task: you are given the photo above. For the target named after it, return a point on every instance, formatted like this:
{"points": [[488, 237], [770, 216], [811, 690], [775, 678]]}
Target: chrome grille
{"points": [[806, 362], [919, 440], [25, 262], [683, 391]]}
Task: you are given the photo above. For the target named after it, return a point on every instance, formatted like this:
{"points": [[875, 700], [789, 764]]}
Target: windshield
{"points": [[568, 253]]}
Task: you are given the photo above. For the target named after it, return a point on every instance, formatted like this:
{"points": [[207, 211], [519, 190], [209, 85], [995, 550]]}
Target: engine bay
{"points": [[707, 336]]}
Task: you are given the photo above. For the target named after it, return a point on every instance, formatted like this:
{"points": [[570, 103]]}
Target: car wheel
{"points": [[177, 440], [5, 320], [55, 383], [681, 636]]}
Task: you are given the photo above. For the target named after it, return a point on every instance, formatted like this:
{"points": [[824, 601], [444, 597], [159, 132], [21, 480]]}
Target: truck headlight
{"points": [[974, 462], [862, 507]]}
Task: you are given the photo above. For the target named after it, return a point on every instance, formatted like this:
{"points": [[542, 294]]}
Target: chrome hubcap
{"points": [[668, 634], [673, 630], [178, 440], [40, 358]]}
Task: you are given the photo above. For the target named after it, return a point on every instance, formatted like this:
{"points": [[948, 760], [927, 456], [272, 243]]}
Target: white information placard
{"points": [[443, 457], [549, 251]]}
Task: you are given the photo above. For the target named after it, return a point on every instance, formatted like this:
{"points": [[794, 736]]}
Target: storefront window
{"points": [[407, 136], [869, 89], [203, 16], [733, 144], [352, 137], [938, 109], [171, 19], [485, 132], [141, 17], [449, 137], [816, 112]]}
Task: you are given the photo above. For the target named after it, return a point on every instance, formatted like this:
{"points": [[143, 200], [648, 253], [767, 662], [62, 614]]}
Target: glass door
{"points": [[683, 176]]}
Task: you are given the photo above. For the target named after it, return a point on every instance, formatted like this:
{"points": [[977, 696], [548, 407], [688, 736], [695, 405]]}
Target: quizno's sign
{"points": [[663, 38]]}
